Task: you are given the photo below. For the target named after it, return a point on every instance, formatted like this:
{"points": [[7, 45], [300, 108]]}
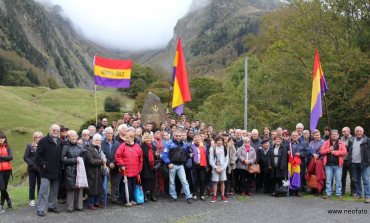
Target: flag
{"points": [[181, 92], [112, 73], [294, 170], [319, 87]]}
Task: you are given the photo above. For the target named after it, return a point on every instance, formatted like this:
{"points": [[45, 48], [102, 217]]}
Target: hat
{"points": [[225, 134], [62, 127], [99, 125], [156, 130], [285, 132], [264, 141]]}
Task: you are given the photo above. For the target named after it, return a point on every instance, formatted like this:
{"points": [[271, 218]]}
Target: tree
{"points": [[112, 104]]}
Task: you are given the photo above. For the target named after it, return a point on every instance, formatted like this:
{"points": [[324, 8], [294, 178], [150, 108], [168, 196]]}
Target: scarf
{"points": [[150, 155], [81, 179], [159, 144], [248, 148], [202, 150]]}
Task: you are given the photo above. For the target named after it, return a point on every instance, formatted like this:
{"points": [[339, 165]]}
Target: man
{"points": [[239, 138], [175, 156], [197, 125], [173, 128], [184, 136], [92, 130], [326, 133], [48, 161], [256, 144], [246, 134], [122, 131], [104, 121], [299, 129], [193, 125], [85, 139], [347, 167], [126, 117], [134, 123], [63, 133], [183, 120], [266, 133], [210, 129], [359, 154], [266, 160], [334, 150], [300, 150], [109, 146], [279, 131], [100, 130], [187, 125], [172, 122], [138, 120]]}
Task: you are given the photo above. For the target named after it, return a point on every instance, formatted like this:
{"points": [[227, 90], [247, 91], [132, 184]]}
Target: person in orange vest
{"points": [[6, 156]]}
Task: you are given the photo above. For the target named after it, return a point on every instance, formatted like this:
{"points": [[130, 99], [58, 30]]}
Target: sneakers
{"points": [[32, 203], [172, 199], [223, 198], [128, 205], [133, 202], [189, 200], [10, 206], [210, 191], [2, 210], [214, 199], [367, 200]]}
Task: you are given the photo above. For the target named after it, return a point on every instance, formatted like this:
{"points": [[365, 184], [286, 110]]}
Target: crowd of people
{"points": [[185, 156]]}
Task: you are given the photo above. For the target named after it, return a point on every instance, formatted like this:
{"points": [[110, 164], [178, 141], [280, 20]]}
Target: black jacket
{"points": [[110, 155], [365, 151], [282, 164], [266, 161], [70, 152], [30, 158], [146, 172], [48, 154]]}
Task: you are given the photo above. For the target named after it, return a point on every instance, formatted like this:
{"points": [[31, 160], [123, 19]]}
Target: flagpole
{"points": [[169, 96], [96, 109], [327, 116]]}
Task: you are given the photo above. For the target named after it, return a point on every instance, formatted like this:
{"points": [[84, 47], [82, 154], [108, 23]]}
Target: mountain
{"points": [[211, 35], [39, 46]]}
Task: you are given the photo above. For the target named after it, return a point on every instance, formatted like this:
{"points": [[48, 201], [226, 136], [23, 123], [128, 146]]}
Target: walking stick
{"points": [[232, 181]]}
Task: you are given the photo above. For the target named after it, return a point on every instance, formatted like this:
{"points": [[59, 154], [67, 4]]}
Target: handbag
{"points": [[189, 163], [165, 171], [139, 194], [157, 166], [312, 182], [254, 168]]}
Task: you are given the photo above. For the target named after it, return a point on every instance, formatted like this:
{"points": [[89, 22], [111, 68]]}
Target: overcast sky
{"points": [[126, 24]]}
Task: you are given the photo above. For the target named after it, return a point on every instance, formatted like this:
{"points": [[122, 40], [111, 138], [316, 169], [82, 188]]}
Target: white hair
{"points": [[254, 131], [130, 129], [359, 127], [237, 130], [85, 132], [305, 131], [72, 132], [54, 125], [299, 124], [96, 136], [108, 128], [91, 126], [121, 126]]}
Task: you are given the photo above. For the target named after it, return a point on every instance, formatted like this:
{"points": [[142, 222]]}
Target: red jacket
{"points": [[5, 165], [130, 157], [325, 149]]}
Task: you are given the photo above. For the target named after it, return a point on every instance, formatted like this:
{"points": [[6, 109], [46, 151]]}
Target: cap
{"points": [[264, 141], [62, 127]]}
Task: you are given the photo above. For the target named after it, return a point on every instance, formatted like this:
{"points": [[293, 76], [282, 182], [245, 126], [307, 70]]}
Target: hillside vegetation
{"points": [[26, 110]]}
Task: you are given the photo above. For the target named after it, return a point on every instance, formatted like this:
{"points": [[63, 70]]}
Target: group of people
{"points": [[185, 156]]}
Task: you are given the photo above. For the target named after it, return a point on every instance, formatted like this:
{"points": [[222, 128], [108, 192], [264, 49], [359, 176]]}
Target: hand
{"points": [[331, 148], [44, 167], [170, 166], [247, 162], [207, 169], [112, 166], [77, 159], [191, 155], [156, 153], [315, 156], [138, 114], [298, 154], [270, 167], [123, 168], [288, 152], [104, 160], [260, 148], [80, 141], [218, 170], [332, 152]]}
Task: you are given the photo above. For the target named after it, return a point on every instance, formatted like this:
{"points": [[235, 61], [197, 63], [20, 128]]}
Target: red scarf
{"points": [[248, 148], [159, 144], [150, 155]]}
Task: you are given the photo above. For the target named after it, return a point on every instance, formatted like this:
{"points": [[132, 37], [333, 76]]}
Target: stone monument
{"points": [[152, 110]]}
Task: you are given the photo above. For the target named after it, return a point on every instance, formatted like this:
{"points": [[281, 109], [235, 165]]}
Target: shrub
{"points": [[112, 104]]}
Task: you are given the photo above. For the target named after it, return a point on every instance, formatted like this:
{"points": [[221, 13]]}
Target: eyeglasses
{"points": [[55, 130], [177, 135], [247, 141], [38, 137]]}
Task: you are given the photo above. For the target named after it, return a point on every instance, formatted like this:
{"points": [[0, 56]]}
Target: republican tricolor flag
{"points": [[319, 88], [181, 92], [112, 73]]}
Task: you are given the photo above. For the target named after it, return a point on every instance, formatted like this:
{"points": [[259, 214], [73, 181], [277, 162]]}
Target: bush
{"points": [[110, 116], [112, 104]]}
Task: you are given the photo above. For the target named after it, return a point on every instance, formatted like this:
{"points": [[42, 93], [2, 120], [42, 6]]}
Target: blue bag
{"points": [[139, 194]]}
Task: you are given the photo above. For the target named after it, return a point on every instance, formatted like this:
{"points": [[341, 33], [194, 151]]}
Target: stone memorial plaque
{"points": [[153, 110]]}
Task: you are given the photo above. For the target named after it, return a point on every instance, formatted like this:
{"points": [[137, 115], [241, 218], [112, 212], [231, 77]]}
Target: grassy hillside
{"points": [[26, 110]]}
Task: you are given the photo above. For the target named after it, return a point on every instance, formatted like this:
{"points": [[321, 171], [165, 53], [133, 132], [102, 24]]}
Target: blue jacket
{"points": [[172, 145], [300, 148], [110, 155]]}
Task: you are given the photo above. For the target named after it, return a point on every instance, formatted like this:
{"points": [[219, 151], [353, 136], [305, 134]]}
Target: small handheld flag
{"points": [[112, 73]]}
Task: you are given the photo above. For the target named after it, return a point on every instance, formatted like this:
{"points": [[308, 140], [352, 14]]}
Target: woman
{"points": [[315, 146], [163, 126], [71, 152], [115, 129], [148, 175], [200, 166], [317, 166], [33, 172], [202, 127], [280, 164], [160, 143], [6, 156], [266, 133], [166, 136], [246, 156], [285, 138], [94, 158]]}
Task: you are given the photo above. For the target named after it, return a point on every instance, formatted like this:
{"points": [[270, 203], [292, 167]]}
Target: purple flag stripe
{"points": [[174, 74], [316, 113], [108, 82], [179, 109]]}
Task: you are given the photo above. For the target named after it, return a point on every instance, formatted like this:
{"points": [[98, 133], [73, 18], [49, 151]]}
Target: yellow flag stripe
{"points": [[112, 73]]}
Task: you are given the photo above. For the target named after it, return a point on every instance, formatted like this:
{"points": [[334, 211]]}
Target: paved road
{"points": [[259, 208]]}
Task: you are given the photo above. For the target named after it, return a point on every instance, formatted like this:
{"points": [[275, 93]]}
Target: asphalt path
{"points": [[258, 208]]}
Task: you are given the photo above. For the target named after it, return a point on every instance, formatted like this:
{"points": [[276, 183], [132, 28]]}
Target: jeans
{"points": [[357, 173], [91, 200], [337, 172], [180, 172], [34, 177]]}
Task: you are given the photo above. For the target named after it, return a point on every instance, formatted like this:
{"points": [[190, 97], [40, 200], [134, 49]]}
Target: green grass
{"points": [[242, 198], [25, 110], [194, 218], [346, 197], [19, 197]]}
